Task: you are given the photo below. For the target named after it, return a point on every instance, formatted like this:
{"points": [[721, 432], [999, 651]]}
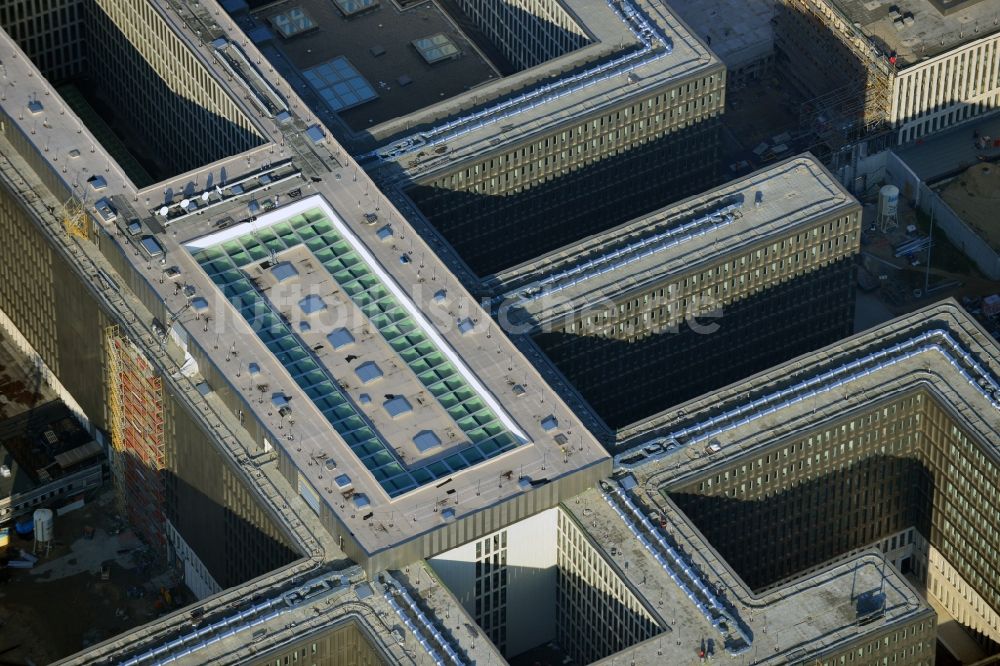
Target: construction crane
{"points": [[75, 218]]}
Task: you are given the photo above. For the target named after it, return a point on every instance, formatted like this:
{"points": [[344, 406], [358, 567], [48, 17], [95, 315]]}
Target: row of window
{"points": [[721, 284], [590, 594], [634, 124], [909, 645], [961, 77]]}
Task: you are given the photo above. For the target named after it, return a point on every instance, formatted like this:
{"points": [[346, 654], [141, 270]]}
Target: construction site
{"points": [[94, 580], [87, 575], [850, 81]]}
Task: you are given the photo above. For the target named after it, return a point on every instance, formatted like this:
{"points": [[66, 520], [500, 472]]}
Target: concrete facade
{"points": [[909, 67], [840, 468], [543, 580], [498, 208], [527, 32], [693, 296]]}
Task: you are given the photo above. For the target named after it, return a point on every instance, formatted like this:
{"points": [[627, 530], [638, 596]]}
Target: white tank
{"points": [[888, 201], [44, 526]]}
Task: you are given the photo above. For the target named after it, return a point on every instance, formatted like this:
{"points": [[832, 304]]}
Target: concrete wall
{"points": [[945, 219], [947, 90], [531, 579], [445, 536], [164, 98]]}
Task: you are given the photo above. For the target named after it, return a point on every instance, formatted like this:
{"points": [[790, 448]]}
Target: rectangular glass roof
{"points": [[435, 48], [339, 84], [486, 435], [352, 7], [293, 22]]}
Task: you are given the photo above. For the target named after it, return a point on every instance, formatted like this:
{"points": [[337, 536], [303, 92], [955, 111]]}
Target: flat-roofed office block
{"points": [[884, 440], [695, 295], [303, 404], [140, 89], [533, 124], [259, 346]]}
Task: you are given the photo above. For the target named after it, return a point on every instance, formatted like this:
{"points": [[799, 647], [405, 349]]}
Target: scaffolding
{"points": [[135, 403], [75, 218], [833, 61]]}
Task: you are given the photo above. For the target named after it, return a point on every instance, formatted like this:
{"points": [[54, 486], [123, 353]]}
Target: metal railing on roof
{"points": [[681, 572], [262, 93], [939, 340], [655, 45], [627, 254], [423, 626], [239, 621]]}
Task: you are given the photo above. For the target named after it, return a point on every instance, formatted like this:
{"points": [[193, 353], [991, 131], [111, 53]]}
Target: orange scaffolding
{"points": [[136, 422]]}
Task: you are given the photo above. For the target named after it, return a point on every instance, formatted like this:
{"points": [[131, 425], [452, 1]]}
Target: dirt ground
{"points": [[974, 196], [62, 605], [952, 274]]}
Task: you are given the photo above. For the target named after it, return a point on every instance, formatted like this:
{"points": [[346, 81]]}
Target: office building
{"points": [[695, 295], [913, 67], [309, 414], [276, 392], [514, 127], [882, 441]]}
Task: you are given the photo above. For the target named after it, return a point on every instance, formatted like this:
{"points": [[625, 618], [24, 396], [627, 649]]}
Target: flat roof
{"points": [[250, 627], [341, 258], [456, 385], [738, 31], [674, 239], [427, 377], [379, 43], [939, 349], [323, 178], [920, 29], [651, 47], [801, 618]]}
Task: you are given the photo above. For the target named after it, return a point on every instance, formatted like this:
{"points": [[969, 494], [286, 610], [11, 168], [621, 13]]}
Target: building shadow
{"points": [[558, 604], [788, 533], [508, 53], [125, 101], [218, 517], [492, 232], [49, 457], [628, 380], [845, 92]]}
